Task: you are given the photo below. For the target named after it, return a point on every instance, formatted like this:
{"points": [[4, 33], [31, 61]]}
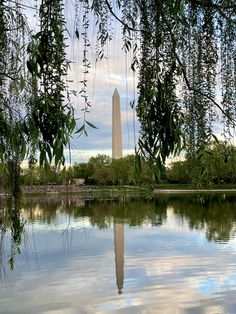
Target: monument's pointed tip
{"points": [[115, 92]]}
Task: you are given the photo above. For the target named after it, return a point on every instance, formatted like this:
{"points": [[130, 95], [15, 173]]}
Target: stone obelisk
{"points": [[116, 126], [119, 254]]}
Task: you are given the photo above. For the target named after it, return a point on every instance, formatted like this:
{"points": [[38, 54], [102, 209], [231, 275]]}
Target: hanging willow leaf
{"points": [[90, 124], [81, 129], [77, 34]]}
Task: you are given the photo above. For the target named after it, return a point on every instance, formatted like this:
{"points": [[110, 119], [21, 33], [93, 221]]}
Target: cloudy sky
{"points": [[104, 76]]}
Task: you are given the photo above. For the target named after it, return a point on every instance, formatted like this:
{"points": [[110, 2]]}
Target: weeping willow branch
{"points": [[174, 44], [51, 116], [8, 76], [218, 8], [119, 20]]}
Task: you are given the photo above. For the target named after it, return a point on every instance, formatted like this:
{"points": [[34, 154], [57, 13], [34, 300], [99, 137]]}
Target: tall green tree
{"points": [[100, 168], [83, 170]]}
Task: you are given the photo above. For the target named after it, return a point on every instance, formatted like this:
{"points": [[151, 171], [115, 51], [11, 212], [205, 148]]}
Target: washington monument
{"points": [[116, 126]]}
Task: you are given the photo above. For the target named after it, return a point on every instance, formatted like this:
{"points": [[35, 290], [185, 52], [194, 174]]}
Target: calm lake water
{"points": [[171, 254]]}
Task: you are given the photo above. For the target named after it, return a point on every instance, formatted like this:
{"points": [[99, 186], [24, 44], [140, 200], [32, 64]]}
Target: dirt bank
{"points": [[56, 189]]}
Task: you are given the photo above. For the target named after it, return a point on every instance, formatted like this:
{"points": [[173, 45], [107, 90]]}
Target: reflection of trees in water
{"points": [[12, 222], [213, 213], [134, 211]]}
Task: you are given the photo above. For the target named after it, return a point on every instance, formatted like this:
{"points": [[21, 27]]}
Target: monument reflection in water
{"points": [[119, 253]]}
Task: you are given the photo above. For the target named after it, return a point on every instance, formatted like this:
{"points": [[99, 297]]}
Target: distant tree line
{"points": [[215, 165], [101, 170]]}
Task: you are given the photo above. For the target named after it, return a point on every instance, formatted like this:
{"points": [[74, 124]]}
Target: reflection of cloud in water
{"points": [[159, 283]]}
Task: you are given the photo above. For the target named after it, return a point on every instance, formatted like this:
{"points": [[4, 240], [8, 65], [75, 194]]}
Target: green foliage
{"points": [[13, 146], [178, 173], [51, 118], [98, 170], [216, 165], [82, 170], [99, 167], [36, 175], [36, 116], [119, 171]]}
